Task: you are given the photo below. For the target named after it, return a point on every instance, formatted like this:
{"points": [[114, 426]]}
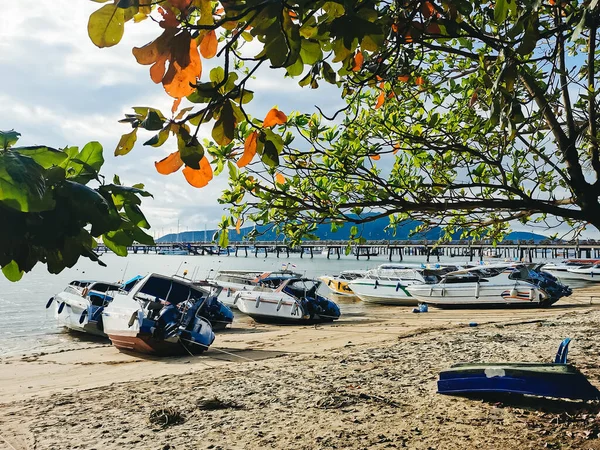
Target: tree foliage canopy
{"points": [[466, 114], [49, 214]]}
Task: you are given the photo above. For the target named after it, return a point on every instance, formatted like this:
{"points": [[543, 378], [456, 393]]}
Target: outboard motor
{"points": [[321, 308], [216, 313], [168, 322]]}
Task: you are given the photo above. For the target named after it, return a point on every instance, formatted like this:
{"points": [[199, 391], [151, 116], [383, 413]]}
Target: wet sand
{"points": [[366, 381]]}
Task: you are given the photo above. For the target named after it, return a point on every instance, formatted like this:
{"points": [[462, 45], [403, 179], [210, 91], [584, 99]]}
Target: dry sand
{"points": [[365, 382]]}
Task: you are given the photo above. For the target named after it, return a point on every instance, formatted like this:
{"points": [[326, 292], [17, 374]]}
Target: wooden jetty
{"points": [[515, 250]]}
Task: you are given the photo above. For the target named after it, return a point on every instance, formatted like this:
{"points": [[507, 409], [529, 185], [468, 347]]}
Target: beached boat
{"points": [[173, 251], [233, 281], [79, 307], [575, 269], [558, 379], [166, 315], [294, 301], [492, 286], [556, 268], [388, 283], [339, 283]]}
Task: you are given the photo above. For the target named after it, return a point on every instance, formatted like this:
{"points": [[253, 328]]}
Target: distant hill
{"points": [[371, 231]]}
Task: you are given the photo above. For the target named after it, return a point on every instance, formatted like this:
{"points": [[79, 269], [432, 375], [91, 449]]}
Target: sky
{"points": [[58, 89]]}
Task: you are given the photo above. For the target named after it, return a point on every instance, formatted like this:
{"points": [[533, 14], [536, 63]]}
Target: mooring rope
{"points": [[7, 443]]}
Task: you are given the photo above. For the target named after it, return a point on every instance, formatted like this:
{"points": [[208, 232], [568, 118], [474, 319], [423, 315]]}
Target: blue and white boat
{"points": [[79, 307], [165, 316], [294, 301]]}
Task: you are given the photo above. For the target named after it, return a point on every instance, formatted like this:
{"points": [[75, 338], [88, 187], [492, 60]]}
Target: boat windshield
{"points": [[302, 288], [170, 290]]}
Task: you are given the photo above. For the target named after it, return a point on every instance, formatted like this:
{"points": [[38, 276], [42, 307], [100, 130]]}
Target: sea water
{"points": [[27, 326]]}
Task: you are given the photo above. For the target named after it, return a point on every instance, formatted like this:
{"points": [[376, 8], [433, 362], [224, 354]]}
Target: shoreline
{"points": [[366, 381]]}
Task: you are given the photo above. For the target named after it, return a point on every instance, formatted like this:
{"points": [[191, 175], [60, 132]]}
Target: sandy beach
{"points": [[365, 382]]}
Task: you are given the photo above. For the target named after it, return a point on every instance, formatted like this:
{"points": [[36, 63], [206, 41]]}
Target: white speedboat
{"points": [[588, 272], [79, 307], [233, 281], [294, 301], [575, 269], [339, 283], [388, 283], [492, 286], [165, 315]]}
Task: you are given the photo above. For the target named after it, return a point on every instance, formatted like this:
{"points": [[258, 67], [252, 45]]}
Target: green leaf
{"points": [[22, 183], [91, 154], [501, 10], [158, 139], [153, 121], [12, 272], [224, 130], [44, 156], [106, 26], [126, 143], [224, 238], [190, 152], [8, 138], [117, 241]]}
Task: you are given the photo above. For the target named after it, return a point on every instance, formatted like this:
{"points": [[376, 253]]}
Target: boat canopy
{"points": [[171, 290]]}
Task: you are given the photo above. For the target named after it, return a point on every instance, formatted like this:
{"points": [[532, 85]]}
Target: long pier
{"points": [[522, 251]]}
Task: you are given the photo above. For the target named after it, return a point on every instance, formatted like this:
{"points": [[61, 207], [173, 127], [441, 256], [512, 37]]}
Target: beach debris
{"points": [[215, 403], [422, 308], [166, 417]]}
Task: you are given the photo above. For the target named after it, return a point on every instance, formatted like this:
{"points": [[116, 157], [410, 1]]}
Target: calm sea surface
{"points": [[26, 325]]}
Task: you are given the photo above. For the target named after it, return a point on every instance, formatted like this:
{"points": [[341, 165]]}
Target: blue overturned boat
{"points": [[557, 380]]}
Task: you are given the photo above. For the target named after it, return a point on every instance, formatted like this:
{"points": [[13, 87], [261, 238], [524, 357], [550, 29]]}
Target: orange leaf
{"points": [[419, 81], [427, 9], [238, 225], [157, 71], [552, 2], [473, 99], [380, 100], [199, 177], [274, 117], [208, 46], [185, 66], [357, 61], [279, 178], [176, 104], [249, 149], [293, 14], [396, 148], [404, 78], [169, 18], [170, 164], [394, 28], [433, 28], [375, 157], [407, 37]]}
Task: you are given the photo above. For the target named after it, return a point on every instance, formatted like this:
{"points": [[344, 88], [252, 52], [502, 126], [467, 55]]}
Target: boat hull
{"points": [[145, 343], [340, 287], [69, 315], [545, 380], [278, 307], [383, 293], [574, 274], [482, 296]]}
